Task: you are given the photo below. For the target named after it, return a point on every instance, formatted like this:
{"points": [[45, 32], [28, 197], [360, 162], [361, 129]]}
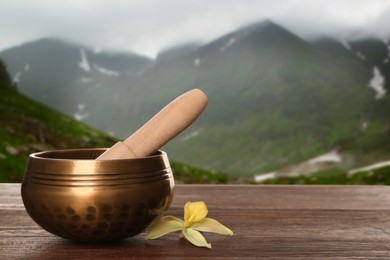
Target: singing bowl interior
{"points": [[82, 162]]}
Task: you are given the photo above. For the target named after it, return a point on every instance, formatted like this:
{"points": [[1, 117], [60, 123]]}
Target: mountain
{"points": [[274, 99], [27, 127], [371, 52], [375, 52], [177, 51], [5, 79], [62, 75]]}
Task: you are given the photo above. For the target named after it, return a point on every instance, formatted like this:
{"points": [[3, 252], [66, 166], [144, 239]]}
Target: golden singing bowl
{"points": [[73, 196]]}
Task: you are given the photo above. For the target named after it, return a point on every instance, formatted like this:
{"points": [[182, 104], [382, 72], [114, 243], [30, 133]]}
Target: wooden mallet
{"points": [[165, 125]]}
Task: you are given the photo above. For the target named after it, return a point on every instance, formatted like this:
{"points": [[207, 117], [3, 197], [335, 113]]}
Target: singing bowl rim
{"points": [[84, 183], [98, 177], [82, 162]]}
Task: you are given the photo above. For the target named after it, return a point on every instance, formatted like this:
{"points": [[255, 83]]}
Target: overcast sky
{"points": [[147, 26]]}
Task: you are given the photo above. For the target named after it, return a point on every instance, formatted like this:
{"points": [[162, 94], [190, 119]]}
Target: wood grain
{"points": [[273, 222]]}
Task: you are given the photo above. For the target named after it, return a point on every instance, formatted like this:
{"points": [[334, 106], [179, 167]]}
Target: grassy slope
{"points": [[27, 126], [380, 176], [274, 100], [298, 102]]}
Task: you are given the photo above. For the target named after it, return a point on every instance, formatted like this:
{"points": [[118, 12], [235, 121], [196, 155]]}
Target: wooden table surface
{"points": [[273, 222]]}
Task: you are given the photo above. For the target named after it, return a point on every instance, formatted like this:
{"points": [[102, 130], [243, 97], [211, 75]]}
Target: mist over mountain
{"points": [[274, 98], [177, 51], [28, 127], [56, 73]]}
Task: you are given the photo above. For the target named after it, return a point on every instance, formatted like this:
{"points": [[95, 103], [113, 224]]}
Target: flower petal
{"points": [[163, 226], [212, 225], [195, 237], [194, 211], [161, 218]]}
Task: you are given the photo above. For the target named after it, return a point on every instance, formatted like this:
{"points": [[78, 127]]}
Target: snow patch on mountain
{"points": [[265, 177], [308, 167], [370, 167], [377, 83], [364, 125], [86, 80], [228, 44], [80, 113], [331, 157], [16, 78], [144, 70], [97, 50], [360, 55], [346, 45], [387, 59], [84, 63], [106, 71], [191, 135]]}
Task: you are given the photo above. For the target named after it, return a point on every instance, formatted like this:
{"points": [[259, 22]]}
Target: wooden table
{"points": [[277, 222]]}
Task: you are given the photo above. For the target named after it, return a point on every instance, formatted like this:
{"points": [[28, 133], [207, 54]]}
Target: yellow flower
{"points": [[195, 221]]}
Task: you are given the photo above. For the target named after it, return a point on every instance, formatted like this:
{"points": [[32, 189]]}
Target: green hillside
{"points": [[61, 74], [336, 176], [274, 99], [5, 80], [27, 127]]}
